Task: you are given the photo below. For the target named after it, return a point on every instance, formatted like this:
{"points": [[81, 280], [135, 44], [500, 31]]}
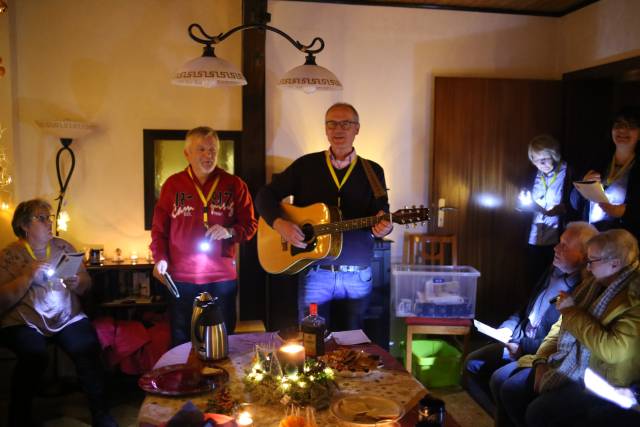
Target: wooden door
{"points": [[481, 131]]}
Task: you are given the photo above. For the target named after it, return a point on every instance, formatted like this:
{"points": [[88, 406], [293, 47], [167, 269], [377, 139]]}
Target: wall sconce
{"points": [[210, 71], [67, 131]]}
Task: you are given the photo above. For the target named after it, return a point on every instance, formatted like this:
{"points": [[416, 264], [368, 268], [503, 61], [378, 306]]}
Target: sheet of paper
{"points": [[489, 331], [591, 190], [620, 396], [351, 337], [68, 265]]}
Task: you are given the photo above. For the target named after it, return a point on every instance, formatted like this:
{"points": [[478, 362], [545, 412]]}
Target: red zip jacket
{"points": [[178, 226]]}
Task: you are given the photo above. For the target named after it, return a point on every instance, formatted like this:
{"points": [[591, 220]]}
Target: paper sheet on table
{"points": [[591, 190], [68, 265], [489, 331], [351, 337], [620, 396]]}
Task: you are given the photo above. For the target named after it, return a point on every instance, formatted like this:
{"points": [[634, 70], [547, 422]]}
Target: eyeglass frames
{"points": [[44, 218], [590, 262], [344, 124]]}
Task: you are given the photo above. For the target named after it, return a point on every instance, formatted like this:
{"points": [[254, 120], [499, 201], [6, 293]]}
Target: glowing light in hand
{"points": [[50, 272], [204, 246], [525, 198]]}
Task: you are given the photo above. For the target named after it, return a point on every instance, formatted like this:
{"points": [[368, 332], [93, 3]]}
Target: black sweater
{"points": [[309, 181]]}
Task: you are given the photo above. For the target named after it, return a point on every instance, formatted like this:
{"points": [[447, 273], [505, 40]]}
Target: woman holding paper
{"points": [[36, 307], [620, 178]]}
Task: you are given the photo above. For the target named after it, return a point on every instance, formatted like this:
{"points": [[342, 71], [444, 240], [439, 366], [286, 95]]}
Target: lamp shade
{"points": [[67, 129], [209, 71], [309, 78]]}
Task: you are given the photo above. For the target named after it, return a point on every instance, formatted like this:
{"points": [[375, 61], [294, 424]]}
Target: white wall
{"points": [[110, 63], [387, 58], [602, 32]]}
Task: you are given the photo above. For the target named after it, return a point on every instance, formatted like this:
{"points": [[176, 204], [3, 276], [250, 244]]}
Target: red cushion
{"points": [[437, 321]]}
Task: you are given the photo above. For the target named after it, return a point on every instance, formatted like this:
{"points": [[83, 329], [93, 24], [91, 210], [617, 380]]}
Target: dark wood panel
{"points": [[481, 131], [519, 7], [252, 153]]}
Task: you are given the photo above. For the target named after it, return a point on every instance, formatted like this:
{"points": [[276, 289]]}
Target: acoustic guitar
{"points": [[322, 226]]}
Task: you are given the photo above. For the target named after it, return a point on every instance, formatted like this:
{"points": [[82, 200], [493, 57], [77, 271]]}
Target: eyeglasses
{"points": [[44, 218], [344, 124], [624, 124], [542, 161], [591, 261]]}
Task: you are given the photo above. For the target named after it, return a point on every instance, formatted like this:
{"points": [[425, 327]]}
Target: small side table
{"points": [[435, 326]]}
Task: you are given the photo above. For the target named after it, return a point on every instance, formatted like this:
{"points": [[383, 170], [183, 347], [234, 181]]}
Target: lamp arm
{"points": [[63, 185], [213, 40]]}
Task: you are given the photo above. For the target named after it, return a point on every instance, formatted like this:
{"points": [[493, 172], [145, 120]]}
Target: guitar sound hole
{"points": [[309, 238]]}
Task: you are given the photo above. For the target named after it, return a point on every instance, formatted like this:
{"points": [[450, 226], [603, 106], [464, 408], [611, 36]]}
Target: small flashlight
{"points": [[50, 272], [525, 198], [204, 246]]}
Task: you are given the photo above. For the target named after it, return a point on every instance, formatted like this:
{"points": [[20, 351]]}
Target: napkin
{"points": [[355, 336]]}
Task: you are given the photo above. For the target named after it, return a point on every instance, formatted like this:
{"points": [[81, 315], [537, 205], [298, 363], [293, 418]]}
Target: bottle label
{"points": [[309, 343]]}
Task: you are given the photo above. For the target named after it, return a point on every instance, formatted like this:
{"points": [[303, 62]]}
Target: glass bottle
{"points": [[313, 328]]}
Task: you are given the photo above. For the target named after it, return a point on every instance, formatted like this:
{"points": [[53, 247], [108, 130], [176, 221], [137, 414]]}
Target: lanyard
{"points": [[612, 177], [28, 247], [544, 179], [205, 200], [339, 184]]}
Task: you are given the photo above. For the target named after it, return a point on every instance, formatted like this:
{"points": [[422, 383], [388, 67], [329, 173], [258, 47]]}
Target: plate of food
{"points": [[366, 410], [351, 363], [179, 380]]}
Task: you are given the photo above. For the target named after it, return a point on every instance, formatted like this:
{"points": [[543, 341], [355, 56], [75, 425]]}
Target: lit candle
{"points": [[291, 357], [134, 257], [244, 419]]}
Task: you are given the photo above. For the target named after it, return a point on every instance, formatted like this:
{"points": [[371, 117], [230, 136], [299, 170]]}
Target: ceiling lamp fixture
{"points": [[67, 131], [211, 71]]}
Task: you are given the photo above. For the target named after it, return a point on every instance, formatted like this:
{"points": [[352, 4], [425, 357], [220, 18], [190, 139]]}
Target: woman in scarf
{"points": [[37, 308], [599, 328]]}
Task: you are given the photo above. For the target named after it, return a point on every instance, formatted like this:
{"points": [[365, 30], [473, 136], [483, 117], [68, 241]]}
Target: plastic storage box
{"points": [[434, 290], [436, 363]]}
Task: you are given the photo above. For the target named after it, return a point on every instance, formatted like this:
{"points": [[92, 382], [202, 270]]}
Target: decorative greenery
{"points": [[266, 383]]}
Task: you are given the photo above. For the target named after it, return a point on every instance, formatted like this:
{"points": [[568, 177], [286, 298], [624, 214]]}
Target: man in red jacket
{"points": [[201, 214]]}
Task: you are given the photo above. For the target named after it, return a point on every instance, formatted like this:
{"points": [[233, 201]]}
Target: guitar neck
{"points": [[349, 224]]}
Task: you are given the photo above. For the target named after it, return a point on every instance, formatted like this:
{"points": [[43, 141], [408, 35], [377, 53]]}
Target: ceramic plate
{"points": [[176, 380], [366, 410]]}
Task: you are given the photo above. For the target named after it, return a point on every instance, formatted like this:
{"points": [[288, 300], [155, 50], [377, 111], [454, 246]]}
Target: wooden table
{"points": [[392, 382]]}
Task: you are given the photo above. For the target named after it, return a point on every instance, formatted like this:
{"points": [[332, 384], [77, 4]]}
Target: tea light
{"points": [[291, 357], [134, 257], [244, 419]]}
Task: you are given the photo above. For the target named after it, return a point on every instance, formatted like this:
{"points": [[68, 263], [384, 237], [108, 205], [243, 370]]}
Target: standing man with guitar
{"points": [[201, 214], [336, 177]]}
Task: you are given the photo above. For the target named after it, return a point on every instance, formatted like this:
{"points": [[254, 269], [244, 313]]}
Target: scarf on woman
{"points": [[571, 359]]}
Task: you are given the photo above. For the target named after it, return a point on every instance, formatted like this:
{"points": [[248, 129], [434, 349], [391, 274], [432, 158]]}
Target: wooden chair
{"points": [[432, 250]]}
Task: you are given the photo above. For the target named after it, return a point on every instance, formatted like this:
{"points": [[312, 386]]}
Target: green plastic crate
{"points": [[436, 363]]}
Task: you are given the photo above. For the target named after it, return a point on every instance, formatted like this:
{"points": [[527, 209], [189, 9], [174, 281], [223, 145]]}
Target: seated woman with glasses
{"points": [[36, 307], [620, 176], [599, 328]]}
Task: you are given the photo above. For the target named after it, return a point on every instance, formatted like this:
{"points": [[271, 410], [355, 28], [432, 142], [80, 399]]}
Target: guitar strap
{"points": [[376, 186]]}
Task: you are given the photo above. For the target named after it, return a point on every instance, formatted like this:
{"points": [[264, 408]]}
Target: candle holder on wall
{"points": [[67, 131]]}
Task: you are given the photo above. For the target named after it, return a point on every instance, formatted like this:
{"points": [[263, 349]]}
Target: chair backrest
{"points": [[430, 249]]}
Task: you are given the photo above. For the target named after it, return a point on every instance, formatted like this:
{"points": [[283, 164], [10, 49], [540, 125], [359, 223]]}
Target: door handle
{"points": [[442, 209]]}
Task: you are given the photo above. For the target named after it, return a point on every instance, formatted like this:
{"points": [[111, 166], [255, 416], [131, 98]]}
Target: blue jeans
{"points": [[350, 291], [572, 405], [499, 377], [479, 366], [78, 340], [513, 395], [180, 309]]}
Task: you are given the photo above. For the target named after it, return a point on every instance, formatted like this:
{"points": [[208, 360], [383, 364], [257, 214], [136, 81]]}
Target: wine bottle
{"points": [[313, 328]]}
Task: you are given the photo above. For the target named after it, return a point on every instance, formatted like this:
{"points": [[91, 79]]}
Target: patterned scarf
{"points": [[571, 359]]}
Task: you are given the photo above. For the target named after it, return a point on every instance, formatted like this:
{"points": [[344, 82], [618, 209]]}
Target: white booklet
{"points": [[621, 396], [68, 265], [592, 190], [491, 332]]}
